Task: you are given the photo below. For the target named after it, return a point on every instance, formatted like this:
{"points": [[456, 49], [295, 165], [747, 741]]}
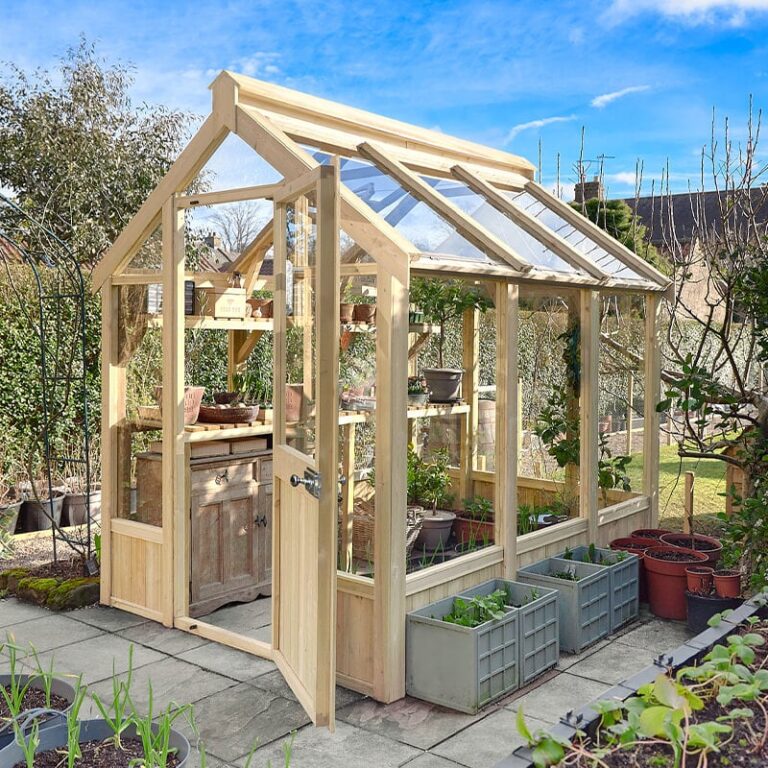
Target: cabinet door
{"points": [[239, 556], [207, 547], [263, 534]]}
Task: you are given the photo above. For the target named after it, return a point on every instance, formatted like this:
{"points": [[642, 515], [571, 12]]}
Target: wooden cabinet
{"points": [[230, 552]]}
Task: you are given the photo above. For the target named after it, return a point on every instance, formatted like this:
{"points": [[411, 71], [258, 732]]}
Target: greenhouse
{"points": [[374, 463]]}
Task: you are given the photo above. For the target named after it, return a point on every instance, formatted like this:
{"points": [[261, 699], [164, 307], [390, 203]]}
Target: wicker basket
{"points": [[364, 523], [228, 414]]}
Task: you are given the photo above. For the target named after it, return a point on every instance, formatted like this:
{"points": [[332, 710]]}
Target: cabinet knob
{"points": [[223, 477]]}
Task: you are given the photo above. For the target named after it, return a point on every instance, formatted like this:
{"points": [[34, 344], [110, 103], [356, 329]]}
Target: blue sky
{"points": [[641, 76]]}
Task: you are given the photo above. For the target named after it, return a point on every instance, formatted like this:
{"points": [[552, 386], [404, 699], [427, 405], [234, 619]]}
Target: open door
{"points": [[305, 450]]}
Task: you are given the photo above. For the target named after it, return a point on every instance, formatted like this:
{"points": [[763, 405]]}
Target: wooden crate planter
{"points": [[584, 604], [462, 668], [625, 583], [538, 624]]}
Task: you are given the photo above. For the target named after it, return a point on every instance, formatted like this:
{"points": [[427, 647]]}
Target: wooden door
{"points": [[305, 451]]}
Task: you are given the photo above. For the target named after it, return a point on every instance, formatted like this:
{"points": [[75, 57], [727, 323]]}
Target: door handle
{"points": [[310, 481]]}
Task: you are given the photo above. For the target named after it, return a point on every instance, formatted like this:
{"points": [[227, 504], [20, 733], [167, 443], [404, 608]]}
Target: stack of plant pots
{"points": [[710, 591]]}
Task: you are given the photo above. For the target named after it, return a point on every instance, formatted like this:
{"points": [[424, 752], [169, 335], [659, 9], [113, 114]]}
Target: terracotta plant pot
{"points": [[654, 534], [665, 569], [346, 312], [444, 384], [294, 394], [364, 313], [710, 546], [261, 307], [637, 546], [193, 396], [699, 579], [727, 583]]}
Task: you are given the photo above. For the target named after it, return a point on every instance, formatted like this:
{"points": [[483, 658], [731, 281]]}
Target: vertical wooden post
{"points": [[688, 519], [470, 360], [652, 373], [588, 430], [630, 401], [391, 487], [507, 321], [174, 468], [573, 405], [347, 492], [113, 376]]}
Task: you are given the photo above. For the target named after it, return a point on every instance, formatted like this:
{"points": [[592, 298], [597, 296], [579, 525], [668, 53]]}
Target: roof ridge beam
{"points": [[528, 223], [600, 236], [466, 226]]}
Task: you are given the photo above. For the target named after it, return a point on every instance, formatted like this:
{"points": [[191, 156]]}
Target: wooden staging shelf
{"points": [[433, 409], [218, 323]]}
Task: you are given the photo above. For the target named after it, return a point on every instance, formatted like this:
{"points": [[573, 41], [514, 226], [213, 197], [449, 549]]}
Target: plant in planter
{"points": [[418, 391], [346, 306], [475, 523], [431, 487], [364, 309], [665, 570], [443, 301], [709, 545], [527, 516], [262, 304]]}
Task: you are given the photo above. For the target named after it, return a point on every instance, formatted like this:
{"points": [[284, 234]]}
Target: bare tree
{"points": [[237, 224]]}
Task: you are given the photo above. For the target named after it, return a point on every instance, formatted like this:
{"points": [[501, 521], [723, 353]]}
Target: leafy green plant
{"points": [[479, 508], [13, 694], [431, 480], [444, 300], [527, 518], [478, 610], [28, 744], [118, 714], [568, 554], [417, 385], [154, 731], [73, 725], [564, 575]]}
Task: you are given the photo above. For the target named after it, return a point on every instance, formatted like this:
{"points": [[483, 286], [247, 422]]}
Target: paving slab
{"points": [[108, 619], [229, 662], [408, 720], [170, 641], [656, 636], [613, 663], [49, 631], [274, 682], [348, 746], [230, 722], [551, 700], [486, 742], [173, 681], [430, 760], [244, 618], [567, 660], [13, 612], [195, 761], [96, 657]]}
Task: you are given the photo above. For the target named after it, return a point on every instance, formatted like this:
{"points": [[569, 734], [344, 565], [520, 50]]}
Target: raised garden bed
{"points": [[584, 598], [624, 571], [461, 667]]}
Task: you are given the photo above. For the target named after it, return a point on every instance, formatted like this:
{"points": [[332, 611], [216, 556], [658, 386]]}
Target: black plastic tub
{"points": [[701, 608]]}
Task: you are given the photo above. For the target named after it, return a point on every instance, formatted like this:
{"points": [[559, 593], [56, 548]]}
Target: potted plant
{"points": [[346, 307], [447, 662], [443, 301], [418, 392], [475, 523], [432, 484], [262, 304], [709, 545], [584, 598], [364, 310], [727, 582], [665, 569], [624, 572]]}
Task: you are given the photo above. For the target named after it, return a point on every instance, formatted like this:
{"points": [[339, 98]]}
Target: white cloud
{"points": [[540, 123], [625, 178], [257, 64], [732, 12], [606, 98]]}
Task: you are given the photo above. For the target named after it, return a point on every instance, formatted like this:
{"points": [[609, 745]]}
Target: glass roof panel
{"points": [[415, 220], [476, 206], [577, 239]]}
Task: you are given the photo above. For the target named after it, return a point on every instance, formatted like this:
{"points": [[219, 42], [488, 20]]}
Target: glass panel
{"points": [[427, 230], [578, 240], [301, 239], [476, 206]]}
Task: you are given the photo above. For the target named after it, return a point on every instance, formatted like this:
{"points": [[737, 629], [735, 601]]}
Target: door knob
{"points": [[311, 481]]}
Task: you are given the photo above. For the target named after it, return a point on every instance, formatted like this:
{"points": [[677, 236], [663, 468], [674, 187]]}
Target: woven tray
{"points": [[227, 415], [364, 523]]}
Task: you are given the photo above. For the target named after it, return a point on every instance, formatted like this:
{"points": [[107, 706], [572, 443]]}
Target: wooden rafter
{"points": [[467, 227], [593, 232], [528, 223]]}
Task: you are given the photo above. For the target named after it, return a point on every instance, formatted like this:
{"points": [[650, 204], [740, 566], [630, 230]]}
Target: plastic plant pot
{"points": [[727, 583], [710, 546], [701, 608], [444, 384], [699, 579], [637, 546], [665, 568]]}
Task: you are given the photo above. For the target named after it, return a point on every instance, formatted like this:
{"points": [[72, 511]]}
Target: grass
{"points": [[707, 490]]}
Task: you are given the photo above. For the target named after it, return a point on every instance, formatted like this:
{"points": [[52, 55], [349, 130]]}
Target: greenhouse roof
{"points": [[431, 201]]}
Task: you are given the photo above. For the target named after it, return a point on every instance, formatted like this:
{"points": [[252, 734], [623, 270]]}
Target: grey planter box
{"points": [[584, 604], [461, 668], [538, 625], [625, 583]]}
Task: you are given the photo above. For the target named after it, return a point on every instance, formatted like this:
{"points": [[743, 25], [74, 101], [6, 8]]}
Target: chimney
{"points": [[212, 240], [589, 190]]}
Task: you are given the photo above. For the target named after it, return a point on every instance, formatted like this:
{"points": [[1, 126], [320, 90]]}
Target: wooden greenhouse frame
{"points": [[329, 625]]}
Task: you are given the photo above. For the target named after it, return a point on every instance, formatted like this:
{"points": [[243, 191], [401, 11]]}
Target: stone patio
{"points": [[240, 700]]}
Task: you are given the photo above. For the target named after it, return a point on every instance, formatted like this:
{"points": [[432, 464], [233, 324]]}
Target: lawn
{"points": [[708, 487]]}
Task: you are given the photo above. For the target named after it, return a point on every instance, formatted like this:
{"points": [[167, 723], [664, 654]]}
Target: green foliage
{"points": [[428, 480], [527, 519], [446, 300], [479, 508], [618, 220], [477, 610], [745, 539]]}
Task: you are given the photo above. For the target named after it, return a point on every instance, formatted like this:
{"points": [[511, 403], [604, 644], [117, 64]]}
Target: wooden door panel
{"points": [[207, 548], [240, 516]]}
